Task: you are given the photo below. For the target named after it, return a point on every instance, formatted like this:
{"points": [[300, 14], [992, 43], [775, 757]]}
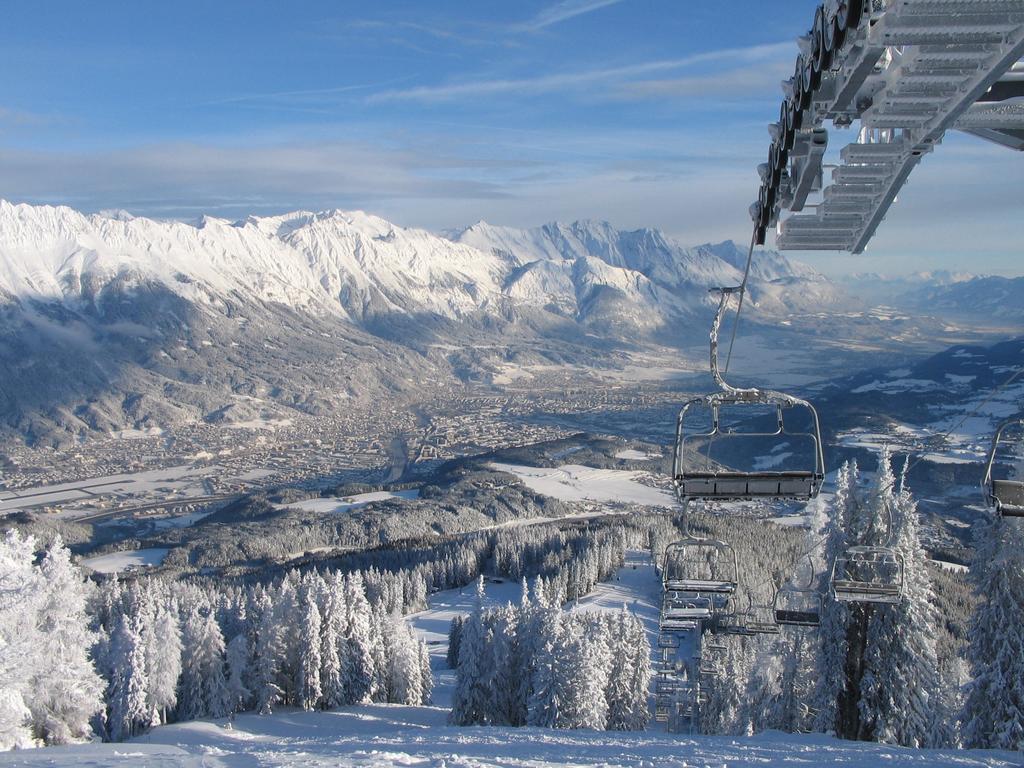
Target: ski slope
{"points": [[418, 737]]}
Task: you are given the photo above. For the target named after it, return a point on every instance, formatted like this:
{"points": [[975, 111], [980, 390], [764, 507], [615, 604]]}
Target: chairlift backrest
{"points": [[868, 574], [700, 567], [1005, 496]]}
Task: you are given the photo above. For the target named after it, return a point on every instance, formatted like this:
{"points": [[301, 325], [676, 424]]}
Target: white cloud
{"points": [[584, 79], [565, 10]]}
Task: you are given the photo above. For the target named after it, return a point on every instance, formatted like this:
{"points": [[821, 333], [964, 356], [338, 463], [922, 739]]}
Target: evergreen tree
{"points": [[544, 706], [406, 685], [67, 692], [900, 690], [163, 660], [993, 714], [238, 661], [268, 659], [359, 672], [128, 710], [470, 704], [307, 684], [332, 643], [20, 590]]}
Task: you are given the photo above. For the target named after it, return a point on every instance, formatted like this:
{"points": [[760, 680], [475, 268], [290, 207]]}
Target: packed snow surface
{"points": [[395, 735], [122, 561], [574, 482]]}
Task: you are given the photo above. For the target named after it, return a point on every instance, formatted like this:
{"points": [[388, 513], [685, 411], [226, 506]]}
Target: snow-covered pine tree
{"points": [[472, 699], [163, 657], [829, 677], [636, 658], [993, 714], [332, 642], [505, 668], [901, 690], [426, 675], [586, 663], [359, 672], [406, 685], [454, 636], [238, 660], [544, 705], [20, 592], [128, 711], [66, 691], [204, 691], [308, 690], [268, 658]]}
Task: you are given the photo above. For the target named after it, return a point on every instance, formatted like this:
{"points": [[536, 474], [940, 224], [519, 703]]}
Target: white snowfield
{"points": [[338, 505], [413, 737], [575, 482], [122, 561]]}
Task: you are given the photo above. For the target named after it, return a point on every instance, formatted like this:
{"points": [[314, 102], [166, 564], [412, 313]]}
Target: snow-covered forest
{"points": [[144, 652], [81, 660]]}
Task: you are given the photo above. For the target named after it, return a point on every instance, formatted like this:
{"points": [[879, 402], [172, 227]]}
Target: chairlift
{"points": [[755, 620], [1004, 496], [701, 567], [708, 480], [868, 574], [798, 606]]}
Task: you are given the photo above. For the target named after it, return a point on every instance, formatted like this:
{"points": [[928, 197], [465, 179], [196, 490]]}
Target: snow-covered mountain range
{"points": [[110, 321], [356, 266]]}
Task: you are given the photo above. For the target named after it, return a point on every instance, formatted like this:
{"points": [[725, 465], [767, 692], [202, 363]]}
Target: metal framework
{"points": [[908, 71], [1004, 496], [797, 607]]}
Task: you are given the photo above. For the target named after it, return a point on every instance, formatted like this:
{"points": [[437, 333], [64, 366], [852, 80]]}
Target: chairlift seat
{"points": [[744, 486], [793, 618], [1008, 497], [700, 586], [678, 624], [668, 640], [687, 612], [851, 591]]}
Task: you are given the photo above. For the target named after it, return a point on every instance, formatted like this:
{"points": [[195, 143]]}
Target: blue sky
{"points": [[441, 113]]}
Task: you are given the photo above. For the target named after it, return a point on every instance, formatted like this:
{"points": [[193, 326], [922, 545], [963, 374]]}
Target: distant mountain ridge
{"points": [[110, 321]]}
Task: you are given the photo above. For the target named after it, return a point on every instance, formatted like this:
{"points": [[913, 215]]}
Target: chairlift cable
{"points": [[739, 307]]}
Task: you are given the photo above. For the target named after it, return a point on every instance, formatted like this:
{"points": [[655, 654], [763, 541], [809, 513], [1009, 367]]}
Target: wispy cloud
{"points": [[564, 10], [574, 80]]}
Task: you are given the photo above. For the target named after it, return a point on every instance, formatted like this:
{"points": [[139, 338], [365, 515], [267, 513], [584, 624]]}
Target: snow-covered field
{"points": [[418, 737], [574, 482], [347, 503], [121, 561]]}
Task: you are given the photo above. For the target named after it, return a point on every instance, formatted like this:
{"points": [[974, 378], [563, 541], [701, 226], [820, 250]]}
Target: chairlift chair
{"points": [[701, 567], [797, 607], [703, 480], [868, 574], [1004, 496]]}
